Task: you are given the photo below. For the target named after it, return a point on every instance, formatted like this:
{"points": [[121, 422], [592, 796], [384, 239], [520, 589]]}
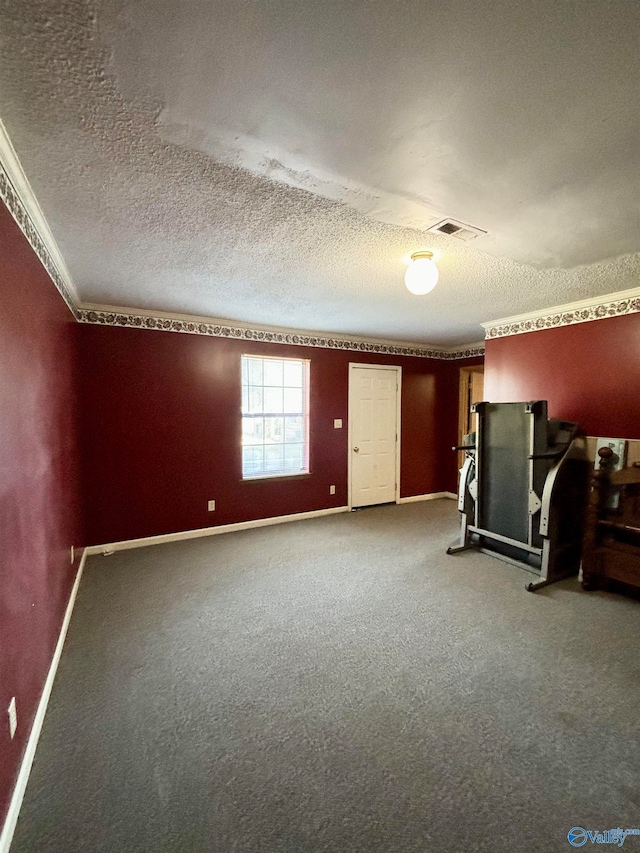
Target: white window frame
{"points": [[306, 368]]}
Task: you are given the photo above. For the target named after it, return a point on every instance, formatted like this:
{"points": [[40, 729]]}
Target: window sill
{"points": [[260, 478]]}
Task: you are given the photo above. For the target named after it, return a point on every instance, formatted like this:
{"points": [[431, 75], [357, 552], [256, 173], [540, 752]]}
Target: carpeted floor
{"points": [[338, 684]]}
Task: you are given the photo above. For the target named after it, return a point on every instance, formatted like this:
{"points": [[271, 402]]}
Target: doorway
{"points": [[374, 434], [471, 391]]}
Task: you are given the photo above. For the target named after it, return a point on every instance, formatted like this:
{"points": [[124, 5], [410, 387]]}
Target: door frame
{"points": [[398, 372], [463, 389]]}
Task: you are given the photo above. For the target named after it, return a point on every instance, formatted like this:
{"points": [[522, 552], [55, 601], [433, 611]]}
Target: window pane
{"points": [[294, 430], [272, 372], [252, 431], [293, 373], [274, 457], [252, 461], [254, 371], [273, 400], [293, 400], [273, 430], [293, 456], [255, 400]]}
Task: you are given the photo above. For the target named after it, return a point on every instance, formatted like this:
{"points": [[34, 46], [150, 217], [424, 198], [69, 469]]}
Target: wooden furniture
{"points": [[611, 548]]}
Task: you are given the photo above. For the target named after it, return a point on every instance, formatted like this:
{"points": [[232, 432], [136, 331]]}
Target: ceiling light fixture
{"points": [[422, 273]]}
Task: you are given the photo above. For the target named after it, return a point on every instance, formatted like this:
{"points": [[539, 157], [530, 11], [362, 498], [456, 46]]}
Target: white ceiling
{"points": [[273, 162]]}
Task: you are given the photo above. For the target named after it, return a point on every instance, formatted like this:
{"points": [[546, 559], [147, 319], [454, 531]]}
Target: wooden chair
{"points": [[611, 547]]}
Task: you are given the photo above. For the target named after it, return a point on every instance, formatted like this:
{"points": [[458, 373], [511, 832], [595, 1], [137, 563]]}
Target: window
{"points": [[275, 406]]}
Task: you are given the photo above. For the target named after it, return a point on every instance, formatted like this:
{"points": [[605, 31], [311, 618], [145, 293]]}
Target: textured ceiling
{"points": [[273, 162]]}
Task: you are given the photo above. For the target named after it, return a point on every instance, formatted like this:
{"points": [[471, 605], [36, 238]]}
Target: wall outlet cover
{"points": [[211, 505], [73, 555], [337, 423], [332, 490]]}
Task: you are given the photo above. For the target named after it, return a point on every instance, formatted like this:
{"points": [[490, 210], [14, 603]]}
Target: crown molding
{"points": [[597, 308], [102, 315], [16, 193]]}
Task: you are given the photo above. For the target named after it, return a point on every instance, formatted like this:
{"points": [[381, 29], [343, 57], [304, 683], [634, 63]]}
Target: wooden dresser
{"points": [[611, 548]]}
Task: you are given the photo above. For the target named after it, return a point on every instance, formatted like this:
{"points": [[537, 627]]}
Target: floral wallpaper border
{"points": [[217, 330], [565, 318]]}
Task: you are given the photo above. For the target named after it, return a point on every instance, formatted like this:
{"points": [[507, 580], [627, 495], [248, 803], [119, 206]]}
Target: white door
{"points": [[373, 422]]}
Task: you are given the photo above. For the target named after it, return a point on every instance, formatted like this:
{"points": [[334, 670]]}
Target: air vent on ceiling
{"points": [[459, 230]]}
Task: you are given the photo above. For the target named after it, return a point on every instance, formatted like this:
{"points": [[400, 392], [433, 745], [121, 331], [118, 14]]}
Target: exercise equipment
{"points": [[523, 489]]}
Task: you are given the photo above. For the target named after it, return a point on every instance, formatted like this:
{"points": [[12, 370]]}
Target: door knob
{"points": [[356, 449]]}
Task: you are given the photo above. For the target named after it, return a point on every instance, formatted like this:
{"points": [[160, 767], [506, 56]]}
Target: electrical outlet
{"points": [[13, 717], [73, 555], [211, 505], [332, 490], [337, 423]]}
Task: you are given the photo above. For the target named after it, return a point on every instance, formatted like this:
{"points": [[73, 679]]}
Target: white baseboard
{"points": [[210, 531], [25, 769], [433, 496]]}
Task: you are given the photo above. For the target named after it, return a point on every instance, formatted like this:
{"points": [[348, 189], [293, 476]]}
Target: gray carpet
{"points": [[338, 684]]}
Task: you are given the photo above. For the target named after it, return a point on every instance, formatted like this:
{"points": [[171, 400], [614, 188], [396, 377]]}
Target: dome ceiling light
{"points": [[422, 273]]}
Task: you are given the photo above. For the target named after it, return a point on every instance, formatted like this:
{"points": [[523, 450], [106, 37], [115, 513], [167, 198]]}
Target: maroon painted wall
{"points": [[39, 503], [161, 415], [589, 373]]}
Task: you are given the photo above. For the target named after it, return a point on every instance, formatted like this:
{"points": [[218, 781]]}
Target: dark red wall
{"points": [[589, 373], [161, 414], [39, 506]]}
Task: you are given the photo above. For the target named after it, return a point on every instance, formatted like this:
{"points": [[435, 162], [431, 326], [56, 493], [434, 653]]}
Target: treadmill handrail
{"points": [[549, 454]]}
